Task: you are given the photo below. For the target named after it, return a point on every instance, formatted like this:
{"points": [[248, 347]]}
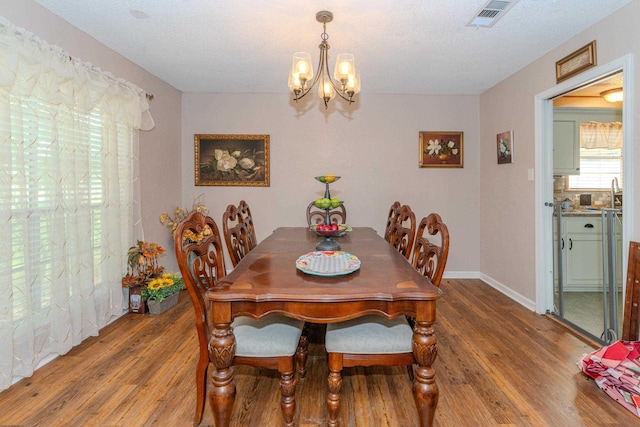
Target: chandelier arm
{"points": [[323, 49], [339, 91]]}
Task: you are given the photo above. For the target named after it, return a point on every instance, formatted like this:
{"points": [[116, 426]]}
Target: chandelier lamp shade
{"points": [[347, 78]]}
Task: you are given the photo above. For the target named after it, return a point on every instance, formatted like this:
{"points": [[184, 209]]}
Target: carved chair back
{"points": [[316, 215], [430, 258], [404, 231], [394, 211], [239, 232]]}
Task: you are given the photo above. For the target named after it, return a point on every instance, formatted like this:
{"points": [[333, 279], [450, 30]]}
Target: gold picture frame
{"points": [[504, 142], [441, 149], [231, 160], [576, 62]]}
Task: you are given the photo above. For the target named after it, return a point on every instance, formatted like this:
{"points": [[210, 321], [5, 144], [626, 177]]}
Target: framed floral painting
{"points": [[441, 149], [505, 147], [241, 160]]}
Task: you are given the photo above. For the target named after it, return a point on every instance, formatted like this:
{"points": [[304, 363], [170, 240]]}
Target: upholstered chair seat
{"points": [[272, 336], [369, 335]]}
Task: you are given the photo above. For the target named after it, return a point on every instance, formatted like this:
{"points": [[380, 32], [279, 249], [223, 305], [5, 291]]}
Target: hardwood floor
{"points": [[498, 364]]}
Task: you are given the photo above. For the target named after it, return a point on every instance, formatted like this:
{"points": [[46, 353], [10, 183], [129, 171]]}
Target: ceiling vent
{"points": [[490, 13]]}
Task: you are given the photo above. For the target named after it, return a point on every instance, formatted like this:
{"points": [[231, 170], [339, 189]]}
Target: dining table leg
{"points": [[222, 350], [425, 389]]}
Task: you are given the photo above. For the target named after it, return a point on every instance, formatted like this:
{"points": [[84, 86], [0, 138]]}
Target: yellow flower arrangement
{"points": [[162, 287]]}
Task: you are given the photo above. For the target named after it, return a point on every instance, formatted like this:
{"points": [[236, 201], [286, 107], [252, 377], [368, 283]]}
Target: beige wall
{"points": [[507, 197], [488, 207], [160, 148], [374, 149]]}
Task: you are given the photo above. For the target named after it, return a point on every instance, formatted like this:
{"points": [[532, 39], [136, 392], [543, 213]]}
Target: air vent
{"points": [[490, 13]]}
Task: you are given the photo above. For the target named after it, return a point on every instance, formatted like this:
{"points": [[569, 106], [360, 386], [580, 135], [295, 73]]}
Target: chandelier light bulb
{"points": [[303, 68]]}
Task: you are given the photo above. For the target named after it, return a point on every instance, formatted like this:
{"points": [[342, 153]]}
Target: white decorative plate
{"points": [[328, 263]]}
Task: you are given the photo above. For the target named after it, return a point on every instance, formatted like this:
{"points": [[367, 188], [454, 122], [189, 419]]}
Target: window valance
{"points": [[601, 135]]}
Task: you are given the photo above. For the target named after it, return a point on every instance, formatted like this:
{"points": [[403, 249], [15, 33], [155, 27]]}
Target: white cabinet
{"points": [[566, 134], [582, 253], [566, 146], [583, 249]]}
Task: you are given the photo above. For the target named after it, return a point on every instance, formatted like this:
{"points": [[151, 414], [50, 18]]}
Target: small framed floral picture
{"points": [[241, 160], [505, 147], [441, 149]]}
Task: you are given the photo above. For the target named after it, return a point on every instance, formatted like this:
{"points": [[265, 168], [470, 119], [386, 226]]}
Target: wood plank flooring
{"points": [[498, 365]]}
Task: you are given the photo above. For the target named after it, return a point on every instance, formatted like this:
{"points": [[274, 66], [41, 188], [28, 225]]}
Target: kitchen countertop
{"points": [[583, 212]]}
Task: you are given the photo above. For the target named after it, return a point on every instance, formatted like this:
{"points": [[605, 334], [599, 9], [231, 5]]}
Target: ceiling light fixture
{"points": [[613, 95], [347, 78]]}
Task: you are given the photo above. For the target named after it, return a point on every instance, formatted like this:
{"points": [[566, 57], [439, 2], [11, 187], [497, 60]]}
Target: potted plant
{"points": [[143, 267], [161, 293]]}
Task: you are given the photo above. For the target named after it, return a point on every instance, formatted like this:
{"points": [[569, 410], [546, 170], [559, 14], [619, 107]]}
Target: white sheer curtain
{"points": [[68, 208]]}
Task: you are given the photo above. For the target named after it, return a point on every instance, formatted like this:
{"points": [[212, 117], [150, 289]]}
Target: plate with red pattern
{"points": [[328, 263]]}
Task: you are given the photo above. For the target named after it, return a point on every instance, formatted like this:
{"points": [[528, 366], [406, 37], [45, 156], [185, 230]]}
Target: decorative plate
{"points": [[328, 263]]}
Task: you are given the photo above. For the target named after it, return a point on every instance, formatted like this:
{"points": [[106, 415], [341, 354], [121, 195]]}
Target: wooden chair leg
{"points": [[410, 372], [201, 387], [335, 386], [287, 392], [302, 351]]}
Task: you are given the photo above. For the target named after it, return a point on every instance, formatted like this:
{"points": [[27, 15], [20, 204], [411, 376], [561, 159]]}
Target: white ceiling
{"points": [[400, 46]]}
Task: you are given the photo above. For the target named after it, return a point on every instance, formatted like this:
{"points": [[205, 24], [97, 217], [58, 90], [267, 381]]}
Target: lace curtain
{"points": [[69, 207], [601, 135]]}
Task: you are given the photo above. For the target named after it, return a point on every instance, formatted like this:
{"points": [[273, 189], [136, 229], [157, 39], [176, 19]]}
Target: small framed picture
{"points": [[441, 149], [505, 147], [240, 160]]}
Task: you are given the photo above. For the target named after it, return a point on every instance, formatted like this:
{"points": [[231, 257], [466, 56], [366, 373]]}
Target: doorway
{"points": [[587, 214], [569, 285]]}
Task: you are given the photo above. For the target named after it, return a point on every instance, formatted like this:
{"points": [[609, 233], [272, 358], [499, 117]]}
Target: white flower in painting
{"points": [[504, 148], [454, 151], [225, 161], [434, 147], [236, 154], [451, 144], [246, 163]]}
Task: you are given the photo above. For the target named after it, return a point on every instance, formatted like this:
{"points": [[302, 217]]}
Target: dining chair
{"points": [[275, 342], [239, 231], [394, 211], [430, 258], [404, 231], [374, 340], [316, 215]]}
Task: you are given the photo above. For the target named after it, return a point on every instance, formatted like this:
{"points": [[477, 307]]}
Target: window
{"points": [[68, 198], [45, 145], [598, 167]]}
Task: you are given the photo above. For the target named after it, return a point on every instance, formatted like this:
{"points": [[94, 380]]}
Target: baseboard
{"points": [[522, 300]]}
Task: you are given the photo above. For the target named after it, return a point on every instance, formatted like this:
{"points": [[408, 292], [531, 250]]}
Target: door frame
{"points": [[544, 176]]}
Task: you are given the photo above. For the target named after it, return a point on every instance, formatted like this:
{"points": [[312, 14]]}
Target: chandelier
{"points": [[347, 79]]}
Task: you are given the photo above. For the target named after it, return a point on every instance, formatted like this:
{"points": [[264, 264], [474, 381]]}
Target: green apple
{"points": [[325, 203], [335, 202]]}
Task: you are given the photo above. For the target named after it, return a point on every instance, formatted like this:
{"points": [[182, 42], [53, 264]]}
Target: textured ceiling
{"points": [[400, 46]]}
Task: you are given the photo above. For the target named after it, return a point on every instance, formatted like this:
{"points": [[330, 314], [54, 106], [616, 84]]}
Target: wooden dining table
{"points": [[267, 282]]}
